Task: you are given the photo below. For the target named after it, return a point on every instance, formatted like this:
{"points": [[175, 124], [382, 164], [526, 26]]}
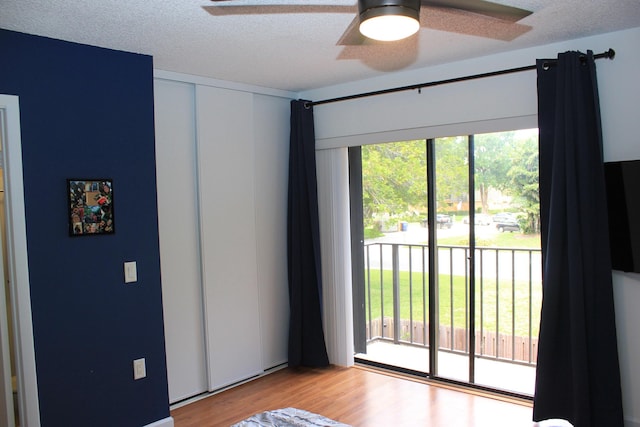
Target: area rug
{"points": [[288, 417]]}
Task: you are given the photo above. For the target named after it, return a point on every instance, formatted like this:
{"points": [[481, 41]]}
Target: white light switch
{"points": [[130, 272], [139, 369]]}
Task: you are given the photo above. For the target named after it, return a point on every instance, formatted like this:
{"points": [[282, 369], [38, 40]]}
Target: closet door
{"points": [[271, 119], [179, 239], [226, 167]]}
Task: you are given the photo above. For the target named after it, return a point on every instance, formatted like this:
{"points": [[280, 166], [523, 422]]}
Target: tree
{"points": [[523, 180], [493, 158], [394, 174], [393, 178], [452, 160]]}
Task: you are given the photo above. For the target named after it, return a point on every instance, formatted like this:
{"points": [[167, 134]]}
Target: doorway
{"points": [[449, 271], [9, 412], [18, 388]]}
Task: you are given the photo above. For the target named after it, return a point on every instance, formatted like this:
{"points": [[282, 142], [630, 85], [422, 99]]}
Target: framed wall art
{"points": [[90, 207]]}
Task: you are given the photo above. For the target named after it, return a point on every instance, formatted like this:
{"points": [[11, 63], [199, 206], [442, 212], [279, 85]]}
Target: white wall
{"points": [[222, 166], [494, 104]]}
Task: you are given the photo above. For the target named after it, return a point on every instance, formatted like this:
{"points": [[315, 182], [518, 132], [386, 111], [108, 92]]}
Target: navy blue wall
{"points": [[88, 112]]}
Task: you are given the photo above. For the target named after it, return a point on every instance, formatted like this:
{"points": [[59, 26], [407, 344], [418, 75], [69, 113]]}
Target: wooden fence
{"points": [[488, 343]]}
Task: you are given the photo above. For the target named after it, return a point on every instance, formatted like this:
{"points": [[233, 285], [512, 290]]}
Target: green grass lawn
{"points": [[453, 298]]}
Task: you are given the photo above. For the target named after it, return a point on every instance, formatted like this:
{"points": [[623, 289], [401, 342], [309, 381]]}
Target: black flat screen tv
{"points": [[623, 203]]}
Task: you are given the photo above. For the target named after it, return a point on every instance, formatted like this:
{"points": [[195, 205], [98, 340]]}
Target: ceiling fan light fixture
{"points": [[389, 20]]}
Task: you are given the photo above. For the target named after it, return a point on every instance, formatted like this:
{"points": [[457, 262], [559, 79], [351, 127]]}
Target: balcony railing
{"points": [[508, 298]]}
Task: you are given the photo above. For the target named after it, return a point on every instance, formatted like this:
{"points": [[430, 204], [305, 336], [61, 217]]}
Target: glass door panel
{"points": [[451, 157], [508, 262], [394, 210]]}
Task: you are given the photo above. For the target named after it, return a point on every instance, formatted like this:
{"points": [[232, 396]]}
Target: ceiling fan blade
{"points": [[470, 23], [482, 7], [353, 37], [474, 17], [222, 10]]}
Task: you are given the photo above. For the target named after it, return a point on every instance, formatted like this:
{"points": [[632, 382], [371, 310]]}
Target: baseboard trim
{"points": [[206, 394], [166, 422]]}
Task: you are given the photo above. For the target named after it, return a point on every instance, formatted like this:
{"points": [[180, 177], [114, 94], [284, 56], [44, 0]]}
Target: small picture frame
{"points": [[90, 207]]}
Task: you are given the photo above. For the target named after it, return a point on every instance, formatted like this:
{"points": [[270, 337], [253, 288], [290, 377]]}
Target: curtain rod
{"points": [[610, 54]]}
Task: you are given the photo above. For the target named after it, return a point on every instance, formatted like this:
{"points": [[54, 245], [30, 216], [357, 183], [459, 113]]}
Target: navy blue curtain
{"points": [[306, 336], [578, 376]]}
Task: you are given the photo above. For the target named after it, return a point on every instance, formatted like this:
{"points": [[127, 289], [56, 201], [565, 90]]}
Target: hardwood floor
{"points": [[357, 396]]}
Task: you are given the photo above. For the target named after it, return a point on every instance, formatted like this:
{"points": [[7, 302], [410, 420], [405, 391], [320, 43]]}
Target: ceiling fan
{"points": [[472, 17]]}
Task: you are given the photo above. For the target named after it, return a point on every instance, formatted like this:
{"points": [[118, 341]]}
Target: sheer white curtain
{"points": [[332, 168]]}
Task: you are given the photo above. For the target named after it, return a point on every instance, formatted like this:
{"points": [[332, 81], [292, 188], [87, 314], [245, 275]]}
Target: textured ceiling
{"points": [[295, 48]]}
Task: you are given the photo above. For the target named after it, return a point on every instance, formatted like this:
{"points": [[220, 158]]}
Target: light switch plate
{"points": [[139, 369], [130, 272]]}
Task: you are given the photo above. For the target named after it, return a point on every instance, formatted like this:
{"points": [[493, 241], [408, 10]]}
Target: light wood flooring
{"points": [[358, 396]]}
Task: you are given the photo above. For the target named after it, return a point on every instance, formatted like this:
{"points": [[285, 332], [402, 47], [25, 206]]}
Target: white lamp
{"points": [[389, 20]]}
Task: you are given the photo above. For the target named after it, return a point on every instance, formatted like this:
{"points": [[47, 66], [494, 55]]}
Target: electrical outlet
{"points": [[139, 369], [130, 272]]}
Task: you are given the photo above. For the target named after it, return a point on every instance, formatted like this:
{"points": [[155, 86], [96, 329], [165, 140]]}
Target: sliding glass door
{"points": [[446, 258], [452, 199], [391, 301], [508, 264]]}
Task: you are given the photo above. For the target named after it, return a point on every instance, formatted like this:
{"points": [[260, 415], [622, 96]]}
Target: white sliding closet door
{"points": [[225, 147], [179, 239], [271, 119]]}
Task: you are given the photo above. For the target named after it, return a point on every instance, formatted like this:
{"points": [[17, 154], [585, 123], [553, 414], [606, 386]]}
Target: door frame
{"points": [[18, 268]]}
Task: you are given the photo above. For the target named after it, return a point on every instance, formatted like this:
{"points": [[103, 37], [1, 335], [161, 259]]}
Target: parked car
{"points": [[507, 225], [504, 216], [442, 221], [479, 219]]}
